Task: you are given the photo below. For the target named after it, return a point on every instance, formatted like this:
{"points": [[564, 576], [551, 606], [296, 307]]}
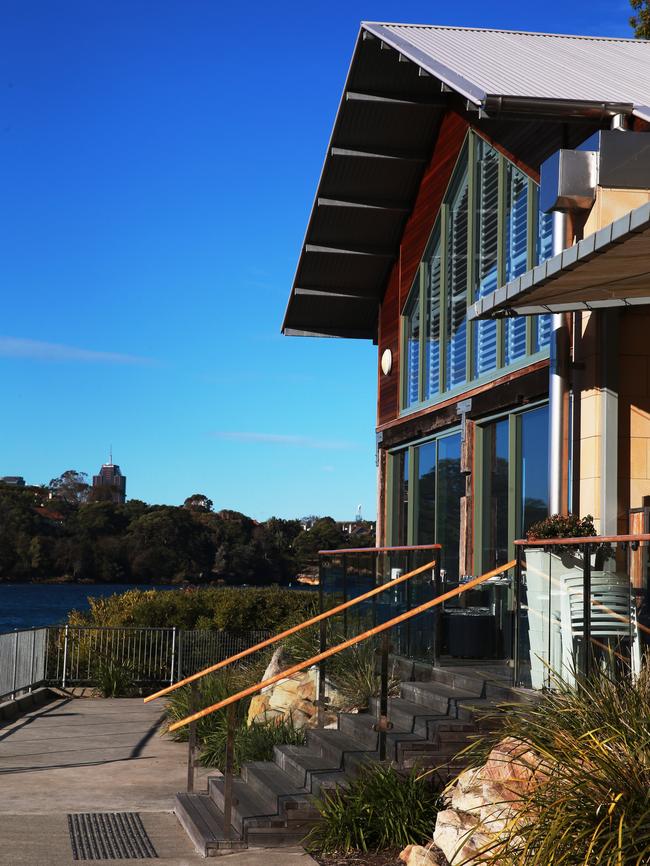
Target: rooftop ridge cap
{"points": [[586, 37]]}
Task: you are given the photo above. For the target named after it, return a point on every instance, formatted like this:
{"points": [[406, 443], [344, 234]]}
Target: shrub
{"points": [[562, 526], [115, 678], [211, 689], [379, 809], [354, 673], [594, 808], [251, 742]]}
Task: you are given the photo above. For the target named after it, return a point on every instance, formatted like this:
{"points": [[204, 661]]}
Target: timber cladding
{"points": [[414, 240]]}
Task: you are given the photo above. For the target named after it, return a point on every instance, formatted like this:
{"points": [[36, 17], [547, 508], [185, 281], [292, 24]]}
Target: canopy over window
{"points": [[610, 268]]}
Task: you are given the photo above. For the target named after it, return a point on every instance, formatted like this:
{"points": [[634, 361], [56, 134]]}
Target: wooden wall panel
{"points": [[416, 234]]}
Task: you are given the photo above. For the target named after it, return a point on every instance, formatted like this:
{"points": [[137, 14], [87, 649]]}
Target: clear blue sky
{"points": [[158, 160]]}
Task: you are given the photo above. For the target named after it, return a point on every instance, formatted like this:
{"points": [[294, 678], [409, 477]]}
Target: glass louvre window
{"points": [[486, 250], [412, 335], [516, 256], [457, 243], [544, 251], [432, 319]]}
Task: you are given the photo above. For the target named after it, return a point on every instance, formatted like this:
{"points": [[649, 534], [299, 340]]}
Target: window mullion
{"points": [[471, 270], [411, 521], [501, 261], [514, 485], [444, 229], [422, 276]]}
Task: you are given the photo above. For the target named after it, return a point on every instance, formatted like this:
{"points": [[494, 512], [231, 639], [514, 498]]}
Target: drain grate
{"points": [[109, 836]]}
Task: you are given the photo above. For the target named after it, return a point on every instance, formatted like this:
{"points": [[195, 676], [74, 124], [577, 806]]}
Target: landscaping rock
{"points": [[294, 697], [416, 855], [485, 802]]}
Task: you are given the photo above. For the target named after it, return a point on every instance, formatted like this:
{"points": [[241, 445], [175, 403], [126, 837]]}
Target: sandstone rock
{"points": [[485, 802], [416, 855], [294, 697]]}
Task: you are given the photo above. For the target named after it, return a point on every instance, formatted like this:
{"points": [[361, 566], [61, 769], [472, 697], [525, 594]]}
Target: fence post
{"points": [[191, 740], [322, 674], [383, 725], [179, 655], [171, 673], [13, 687], [228, 773], [437, 613], [31, 661], [65, 656]]}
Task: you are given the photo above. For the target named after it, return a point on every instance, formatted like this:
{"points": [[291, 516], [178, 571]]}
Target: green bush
{"points": [[230, 608], [595, 807], [380, 809], [210, 689], [115, 678], [253, 742]]}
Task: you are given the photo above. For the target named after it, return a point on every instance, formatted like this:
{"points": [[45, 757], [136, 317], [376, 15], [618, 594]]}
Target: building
{"points": [[13, 480], [483, 217], [110, 483]]}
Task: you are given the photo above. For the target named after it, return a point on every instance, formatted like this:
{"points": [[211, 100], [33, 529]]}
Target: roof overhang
{"points": [[387, 123], [610, 268]]}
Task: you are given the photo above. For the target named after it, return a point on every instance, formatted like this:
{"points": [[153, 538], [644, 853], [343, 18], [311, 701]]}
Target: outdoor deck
{"points": [[93, 755]]}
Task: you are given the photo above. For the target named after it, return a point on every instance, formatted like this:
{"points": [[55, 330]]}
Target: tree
{"points": [[198, 502], [71, 487], [640, 21]]}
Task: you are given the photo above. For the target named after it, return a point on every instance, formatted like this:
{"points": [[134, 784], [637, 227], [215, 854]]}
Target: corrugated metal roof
{"points": [[609, 268], [483, 63]]}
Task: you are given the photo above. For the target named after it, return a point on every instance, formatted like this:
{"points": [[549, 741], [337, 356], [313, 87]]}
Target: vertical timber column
{"points": [[558, 460], [609, 345]]}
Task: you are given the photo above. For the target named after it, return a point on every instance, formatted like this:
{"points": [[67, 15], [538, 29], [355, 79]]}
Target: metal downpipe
{"points": [[558, 469]]}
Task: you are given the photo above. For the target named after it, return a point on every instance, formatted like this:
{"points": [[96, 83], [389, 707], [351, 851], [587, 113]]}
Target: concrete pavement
{"points": [[93, 755]]}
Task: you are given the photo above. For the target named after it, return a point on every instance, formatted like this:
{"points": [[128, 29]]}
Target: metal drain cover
{"points": [[109, 836]]}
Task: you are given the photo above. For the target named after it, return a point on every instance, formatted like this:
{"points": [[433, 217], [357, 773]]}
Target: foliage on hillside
{"points": [[60, 532]]}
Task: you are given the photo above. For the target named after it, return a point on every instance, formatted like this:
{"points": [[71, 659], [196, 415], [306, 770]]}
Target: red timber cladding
{"points": [[414, 239], [418, 227]]}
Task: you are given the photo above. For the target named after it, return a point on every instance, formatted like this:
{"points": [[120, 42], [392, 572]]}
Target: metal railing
{"points": [[67, 656], [383, 724], [581, 606]]}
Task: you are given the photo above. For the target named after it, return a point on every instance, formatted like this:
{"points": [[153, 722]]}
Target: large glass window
{"points": [[400, 497], [494, 494], [426, 494], [451, 487], [534, 467], [488, 232]]}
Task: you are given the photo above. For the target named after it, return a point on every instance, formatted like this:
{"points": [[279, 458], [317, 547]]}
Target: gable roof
{"points": [[402, 80]]}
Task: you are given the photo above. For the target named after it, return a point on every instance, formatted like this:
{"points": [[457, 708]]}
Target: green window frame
{"points": [[487, 193]]}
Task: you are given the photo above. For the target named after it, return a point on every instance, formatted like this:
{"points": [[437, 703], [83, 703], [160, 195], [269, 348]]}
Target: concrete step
{"points": [[302, 764], [406, 715], [466, 680], [203, 823], [438, 697], [248, 809], [276, 789], [334, 745]]}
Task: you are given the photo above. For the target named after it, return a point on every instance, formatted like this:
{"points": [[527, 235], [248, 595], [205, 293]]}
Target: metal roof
{"points": [[402, 79], [609, 268], [506, 63]]}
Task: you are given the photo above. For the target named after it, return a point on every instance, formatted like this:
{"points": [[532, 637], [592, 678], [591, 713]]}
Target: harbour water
{"points": [[24, 605]]}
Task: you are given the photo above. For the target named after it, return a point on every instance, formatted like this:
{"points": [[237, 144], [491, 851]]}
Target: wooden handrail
{"points": [[589, 539], [283, 675], [293, 630]]}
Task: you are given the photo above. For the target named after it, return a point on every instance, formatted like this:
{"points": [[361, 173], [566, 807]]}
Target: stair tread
{"points": [[442, 689], [413, 709], [204, 814], [339, 739], [306, 758], [274, 776], [249, 803]]}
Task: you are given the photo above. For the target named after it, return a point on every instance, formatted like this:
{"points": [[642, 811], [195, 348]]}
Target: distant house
{"points": [[13, 480]]}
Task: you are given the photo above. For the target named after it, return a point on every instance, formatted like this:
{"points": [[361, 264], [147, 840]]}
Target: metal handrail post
{"points": [[171, 674], [516, 621], [65, 656], [345, 593], [191, 740], [228, 773], [586, 613], [383, 724], [437, 615], [13, 687], [322, 674]]}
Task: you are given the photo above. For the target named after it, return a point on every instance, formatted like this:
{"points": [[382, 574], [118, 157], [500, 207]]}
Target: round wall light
{"points": [[386, 362]]}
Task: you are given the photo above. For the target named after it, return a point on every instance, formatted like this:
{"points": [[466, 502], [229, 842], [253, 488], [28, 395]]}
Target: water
{"points": [[23, 605]]}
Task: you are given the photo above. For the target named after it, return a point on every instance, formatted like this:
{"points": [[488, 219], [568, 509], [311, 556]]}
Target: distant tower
{"points": [[111, 477], [358, 517]]}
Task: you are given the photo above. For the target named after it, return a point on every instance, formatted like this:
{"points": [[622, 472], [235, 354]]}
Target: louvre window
{"points": [[516, 257], [544, 251], [457, 250], [411, 390], [432, 319], [487, 250]]}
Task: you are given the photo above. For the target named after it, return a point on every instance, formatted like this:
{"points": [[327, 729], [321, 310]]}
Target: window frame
{"points": [[468, 152]]}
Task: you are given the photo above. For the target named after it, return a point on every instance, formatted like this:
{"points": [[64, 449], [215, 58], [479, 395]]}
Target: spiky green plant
{"points": [[210, 690], [253, 742], [380, 809], [595, 806]]}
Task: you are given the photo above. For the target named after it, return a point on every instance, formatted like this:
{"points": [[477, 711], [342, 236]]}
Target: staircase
{"points": [[273, 802]]}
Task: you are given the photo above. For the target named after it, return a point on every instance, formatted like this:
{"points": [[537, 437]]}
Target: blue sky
{"points": [[158, 160]]}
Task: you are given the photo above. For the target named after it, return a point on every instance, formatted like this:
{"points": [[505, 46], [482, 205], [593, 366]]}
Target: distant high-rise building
{"points": [[111, 479]]}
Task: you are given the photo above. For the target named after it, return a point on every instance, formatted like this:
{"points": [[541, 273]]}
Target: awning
{"points": [[610, 268]]}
